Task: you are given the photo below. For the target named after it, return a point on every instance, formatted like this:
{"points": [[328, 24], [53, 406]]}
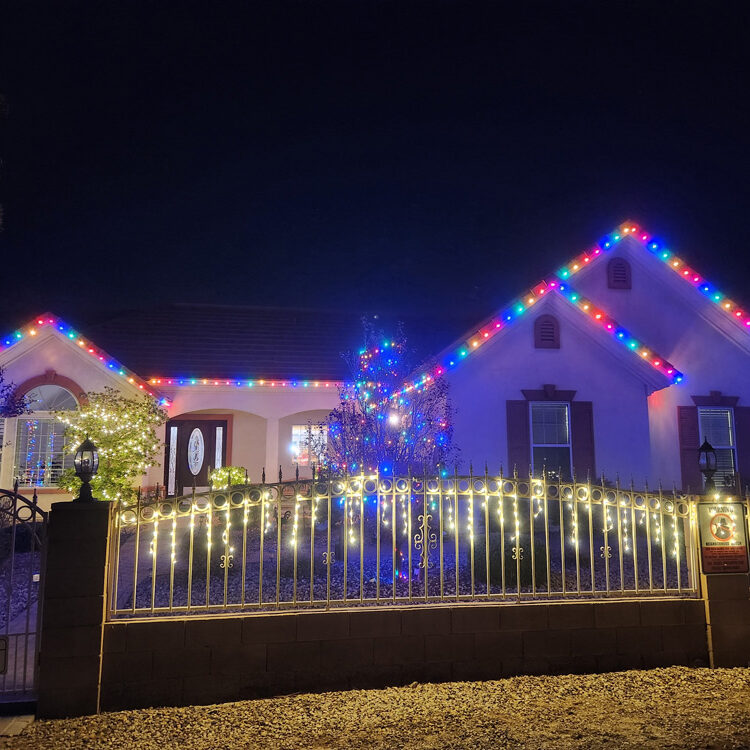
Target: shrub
{"points": [[511, 567]]}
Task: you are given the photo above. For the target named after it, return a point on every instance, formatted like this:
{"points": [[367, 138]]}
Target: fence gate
{"points": [[23, 527]]}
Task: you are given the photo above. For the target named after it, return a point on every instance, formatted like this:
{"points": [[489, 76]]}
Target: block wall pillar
{"points": [[727, 601], [73, 609]]}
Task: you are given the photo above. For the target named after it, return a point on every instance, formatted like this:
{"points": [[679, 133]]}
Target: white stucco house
{"points": [[619, 363]]}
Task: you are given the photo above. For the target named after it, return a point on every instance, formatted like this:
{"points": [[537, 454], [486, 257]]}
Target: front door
{"points": [[193, 447]]}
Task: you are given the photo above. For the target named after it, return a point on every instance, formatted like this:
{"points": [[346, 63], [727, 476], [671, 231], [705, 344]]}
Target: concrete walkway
{"points": [[10, 726]]}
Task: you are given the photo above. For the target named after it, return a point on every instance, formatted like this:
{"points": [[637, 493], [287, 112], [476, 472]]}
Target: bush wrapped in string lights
{"points": [[124, 430]]}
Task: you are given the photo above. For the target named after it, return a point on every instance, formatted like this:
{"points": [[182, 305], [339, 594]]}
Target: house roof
{"points": [[50, 322], [731, 309], [559, 283], [210, 341], [185, 342], [225, 345]]}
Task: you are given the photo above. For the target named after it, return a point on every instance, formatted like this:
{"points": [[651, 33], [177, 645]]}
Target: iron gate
{"points": [[23, 527]]}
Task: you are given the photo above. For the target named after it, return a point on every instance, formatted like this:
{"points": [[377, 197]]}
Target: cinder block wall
{"points": [[191, 661]]}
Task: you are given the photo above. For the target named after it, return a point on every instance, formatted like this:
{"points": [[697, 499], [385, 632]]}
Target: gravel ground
{"points": [[661, 708]]}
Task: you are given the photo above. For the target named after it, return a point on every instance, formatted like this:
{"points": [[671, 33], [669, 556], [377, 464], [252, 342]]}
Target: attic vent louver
{"points": [[618, 274], [546, 332]]}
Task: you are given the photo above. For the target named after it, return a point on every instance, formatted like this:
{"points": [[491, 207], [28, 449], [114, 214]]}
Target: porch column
{"points": [[272, 448]]}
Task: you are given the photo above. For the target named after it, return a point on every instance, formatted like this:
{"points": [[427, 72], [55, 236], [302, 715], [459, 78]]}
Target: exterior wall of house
{"points": [[686, 328], [262, 417], [286, 458], [634, 434], [48, 356], [262, 421], [498, 372]]}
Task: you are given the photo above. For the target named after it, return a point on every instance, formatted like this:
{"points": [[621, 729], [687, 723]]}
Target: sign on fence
{"points": [[723, 539]]}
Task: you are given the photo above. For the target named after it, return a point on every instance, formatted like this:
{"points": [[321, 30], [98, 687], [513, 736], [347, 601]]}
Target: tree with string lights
{"points": [[124, 431], [384, 421]]}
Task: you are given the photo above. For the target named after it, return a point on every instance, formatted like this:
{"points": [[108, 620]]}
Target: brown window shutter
{"points": [[519, 440], [582, 435], [742, 435], [687, 428]]}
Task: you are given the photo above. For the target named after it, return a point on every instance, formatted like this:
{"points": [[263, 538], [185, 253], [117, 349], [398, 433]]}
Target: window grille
{"points": [[41, 454], [550, 438], [308, 443]]}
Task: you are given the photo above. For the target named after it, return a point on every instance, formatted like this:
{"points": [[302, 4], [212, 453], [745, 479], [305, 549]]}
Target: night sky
{"points": [[399, 157]]}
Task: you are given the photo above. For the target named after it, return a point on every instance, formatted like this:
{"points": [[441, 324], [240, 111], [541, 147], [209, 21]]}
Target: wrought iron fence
{"points": [[375, 539], [23, 527]]}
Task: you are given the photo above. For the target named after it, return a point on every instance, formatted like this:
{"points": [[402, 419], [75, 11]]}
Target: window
{"points": [[618, 274], [41, 454], [717, 426], [550, 438], [546, 332], [308, 443]]}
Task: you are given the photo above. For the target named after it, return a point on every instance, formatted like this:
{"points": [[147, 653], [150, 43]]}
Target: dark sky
{"points": [[403, 157]]}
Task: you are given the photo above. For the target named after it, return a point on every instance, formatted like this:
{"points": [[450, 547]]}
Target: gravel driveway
{"points": [[660, 708]]}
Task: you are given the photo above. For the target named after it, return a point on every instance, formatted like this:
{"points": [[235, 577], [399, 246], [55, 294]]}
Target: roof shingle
{"points": [[194, 340]]}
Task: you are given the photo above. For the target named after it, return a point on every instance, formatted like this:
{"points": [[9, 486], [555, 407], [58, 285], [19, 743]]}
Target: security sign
{"points": [[723, 540]]}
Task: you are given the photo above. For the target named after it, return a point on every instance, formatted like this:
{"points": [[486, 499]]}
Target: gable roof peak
{"points": [[51, 322]]}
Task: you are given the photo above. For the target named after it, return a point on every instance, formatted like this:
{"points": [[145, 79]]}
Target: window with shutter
{"points": [[550, 438], [618, 274], [546, 332], [717, 426]]}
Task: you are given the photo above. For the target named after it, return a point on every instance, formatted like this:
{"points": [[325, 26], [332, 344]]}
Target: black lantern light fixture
{"points": [[707, 464], [86, 464]]}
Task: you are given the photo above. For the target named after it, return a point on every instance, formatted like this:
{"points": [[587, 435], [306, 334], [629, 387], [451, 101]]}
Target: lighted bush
{"points": [[228, 476]]}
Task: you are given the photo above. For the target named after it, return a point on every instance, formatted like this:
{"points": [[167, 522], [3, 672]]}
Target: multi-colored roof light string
{"points": [[559, 282], [59, 326]]}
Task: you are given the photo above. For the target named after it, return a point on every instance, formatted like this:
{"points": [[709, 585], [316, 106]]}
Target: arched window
{"points": [[546, 332], [618, 274], [41, 454]]}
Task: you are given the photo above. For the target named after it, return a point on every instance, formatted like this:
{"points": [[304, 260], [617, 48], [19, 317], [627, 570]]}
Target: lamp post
{"points": [[707, 464], [86, 463]]}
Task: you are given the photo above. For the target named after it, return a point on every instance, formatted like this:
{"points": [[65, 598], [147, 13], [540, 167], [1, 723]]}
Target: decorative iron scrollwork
{"points": [[227, 561], [329, 558], [605, 551], [425, 540], [517, 553]]}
